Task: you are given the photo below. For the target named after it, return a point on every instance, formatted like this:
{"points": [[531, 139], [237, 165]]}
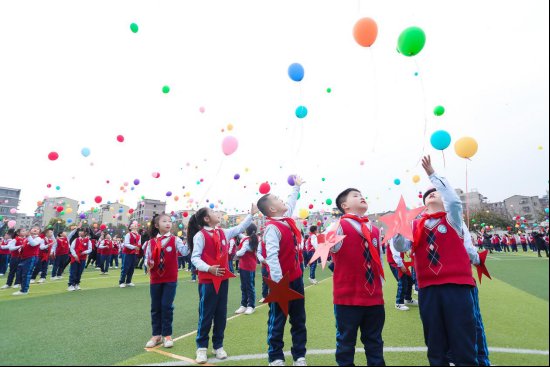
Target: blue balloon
{"points": [[397, 181], [296, 72], [85, 152], [212, 206], [301, 112], [546, 210], [441, 140], [69, 220]]}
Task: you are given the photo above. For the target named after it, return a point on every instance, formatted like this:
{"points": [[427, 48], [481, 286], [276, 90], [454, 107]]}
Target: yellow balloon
{"points": [[416, 178], [180, 233], [68, 210], [226, 217], [229, 127], [540, 147], [466, 147], [303, 213]]}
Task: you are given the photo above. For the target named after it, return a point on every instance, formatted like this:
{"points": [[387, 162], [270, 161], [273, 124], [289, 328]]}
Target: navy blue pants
{"points": [[104, 263], [162, 307], [404, 287], [14, 264], [312, 267], [4, 261], [370, 321], [42, 268], [276, 327], [128, 266], [114, 260], [212, 308], [447, 314], [75, 272], [59, 265], [482, 348], [26, 267], [230, 265], [248, 288], [265, 288]]}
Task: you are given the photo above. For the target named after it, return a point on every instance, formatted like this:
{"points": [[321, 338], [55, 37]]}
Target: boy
{"points": [[311, 247]]}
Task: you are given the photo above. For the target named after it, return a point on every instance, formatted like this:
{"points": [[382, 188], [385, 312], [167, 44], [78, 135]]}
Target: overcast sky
{"points": [[73, 75]]}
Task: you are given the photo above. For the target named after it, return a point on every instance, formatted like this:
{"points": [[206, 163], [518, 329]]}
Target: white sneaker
{"points": [[17, 286], [130, 285], [33, 281], [300, 362], [42, 280], [122, 285], [59, 277], [249, 311], [262, 300], [278, 362], [313, 281], [53, 278], [77, 287], [401, 307], [168, 343], [5, 286], [1, 275], [153, 342], [220, 353], [116, 267], [202, 358], [412, 302], [19, 293], [240, 310]]}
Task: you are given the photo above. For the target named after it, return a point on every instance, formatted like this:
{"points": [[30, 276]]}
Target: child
{"points": [[104, 252], [207, 241], [29, 258], [4, 253], [443, 268], [15, 243], [80, 248], [282, 238], [404, 283], [114, 253], [357, 284], [247, 265], [60, 252], [261, 254], [44, 257], [232, 254], [132, 246], [311, 246], [161, 257]]}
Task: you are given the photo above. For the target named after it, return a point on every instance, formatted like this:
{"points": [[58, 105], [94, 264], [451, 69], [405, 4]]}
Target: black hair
{"points": [[343, 196], [18, 232], [313, 229], [153, 230], [306, 237], [263, 205], [11, 233], [253, 240], [196, 223], [426, 194]]}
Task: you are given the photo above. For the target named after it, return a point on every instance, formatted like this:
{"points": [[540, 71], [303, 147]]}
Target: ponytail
{"points": [[253, 240], [196, 223]]}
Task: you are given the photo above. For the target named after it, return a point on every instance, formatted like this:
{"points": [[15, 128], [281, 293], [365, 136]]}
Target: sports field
{"points": [[105, 325]]}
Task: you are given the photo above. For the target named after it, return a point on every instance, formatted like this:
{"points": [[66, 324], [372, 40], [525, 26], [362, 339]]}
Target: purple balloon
{"points": [[136, 182], [169, 193], [82, 216], [237, 176], [291, 179]]}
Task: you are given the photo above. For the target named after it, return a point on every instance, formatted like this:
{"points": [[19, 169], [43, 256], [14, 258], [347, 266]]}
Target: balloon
{"points": [[301, 112], [136, 182], [11, 224], [166, 89], [169, 193], [85, 152], [69, 210], [291, 180], [310, 206], [329, 201], [440, 140], [303, 213], [229, 145], [296, 72], [53, 156], [546, 210], [13, 210], [176, 198], [304, 223], [397, 181], [229, 127], [439, 110], [329, 90], [155, 175], [202, 110], [212, 206], [365, 32], [82, 216], [466, 147], [416, 178], [49, 186], [120, 138], [134, 27], [411, 41], [98, 199], [69, 220], [185, 214], [265, 188]]}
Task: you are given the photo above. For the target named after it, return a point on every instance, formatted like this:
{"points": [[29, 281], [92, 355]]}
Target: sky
{"points": [[74, 76]]}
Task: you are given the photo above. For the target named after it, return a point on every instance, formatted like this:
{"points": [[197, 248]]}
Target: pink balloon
{"points": [[11, 224], [229, 145], [13, 210], [202, 109]]}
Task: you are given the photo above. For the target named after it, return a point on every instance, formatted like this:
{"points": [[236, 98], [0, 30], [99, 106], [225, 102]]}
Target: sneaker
{"points": [[17, 286], [59, 277], [262, 300], [122, 285], [278, 362], [300, 362], [19, 293], [249, 311], [116, 267], [5, 286], [1, 275], [202, 358], [401, 307], [415, 292], [130, 285], [313, 281], [33, 281], [71, 289], [220, 353], [168, 342], [53, 278], [77, 287], [193, 280], [240, 310], [412, 302], [42, 280]]}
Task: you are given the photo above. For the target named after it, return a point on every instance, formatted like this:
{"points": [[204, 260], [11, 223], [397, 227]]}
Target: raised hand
{"points": [[427, 165]]}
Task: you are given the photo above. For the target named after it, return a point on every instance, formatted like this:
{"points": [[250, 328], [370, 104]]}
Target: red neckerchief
{"points": [[156, 246], [420, 226]]}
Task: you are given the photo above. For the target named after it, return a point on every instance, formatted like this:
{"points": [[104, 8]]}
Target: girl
{"points": [[4, 250], [60, 252], [114, 253], [232, 254], [29, 258], [132, 245], [209, 244], [104, 252], [15, 242], [80, 248], [261, 254], [247, 272], [161, 257], [44, 257]]}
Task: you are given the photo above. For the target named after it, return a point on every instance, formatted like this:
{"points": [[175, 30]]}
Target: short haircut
{"points": [[343, 196], [427, 193], [263, 205], [313, 229]]}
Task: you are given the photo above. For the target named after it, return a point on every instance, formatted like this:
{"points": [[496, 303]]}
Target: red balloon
{"points": [[365, 32], [120, 138], [310, 206], [304, 222], [185, 214], [265, 188], [130, 211], [48, 186], [59, 209], [53, 156], [98, 199], [103, 227]]}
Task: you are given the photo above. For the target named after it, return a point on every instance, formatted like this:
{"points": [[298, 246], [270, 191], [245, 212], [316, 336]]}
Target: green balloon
{"points": [[165, 89], [439, 110], [62, 213], [411, 41], [329, 201], [323, 179], [134, 27], [329, 90], [299, 196]]}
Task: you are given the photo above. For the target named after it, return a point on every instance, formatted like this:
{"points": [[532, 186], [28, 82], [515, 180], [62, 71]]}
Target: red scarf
{"points": [[292, 224], [420, 226], [156, 247], [368, 239]]}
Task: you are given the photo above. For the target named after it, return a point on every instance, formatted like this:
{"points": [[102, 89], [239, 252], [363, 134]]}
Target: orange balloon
{"points": [[365, 32]]}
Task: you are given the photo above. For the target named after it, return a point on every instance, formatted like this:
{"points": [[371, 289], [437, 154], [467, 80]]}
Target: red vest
{"points": [[309, 246], [4, 243], [264, 254], [170, 274], [45, 254], [349, 283], [389, 257], [29, 251], [62, 247], [105, 251], [135, 240], [289, 256], [449, 264], [513, 241], [115, 248], [523, 240], [80, 246], [211, 252], [248, 261], [19, 241]]}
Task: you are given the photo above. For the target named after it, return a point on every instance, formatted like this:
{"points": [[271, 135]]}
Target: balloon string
{"points": [[444, 163], [213, 181], [425, 115], [467, 198], [375, 95]]}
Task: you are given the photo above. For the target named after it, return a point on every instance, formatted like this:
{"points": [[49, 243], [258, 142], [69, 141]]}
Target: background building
{"points": [[9, 199]]}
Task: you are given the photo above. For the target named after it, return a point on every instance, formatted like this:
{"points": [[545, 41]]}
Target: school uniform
{"points": [[232, 254], [114, 254], [247, 273], [43, 259], [14, 246], [130, 250], [61, 251], [357, 291], [212, 243], [80, 248], [261, 255], [311, 246], [163, 251], [523, 241], [405, 283], [92, 258], [104, 253], [513, 243], [4, 256], [29, 258]]}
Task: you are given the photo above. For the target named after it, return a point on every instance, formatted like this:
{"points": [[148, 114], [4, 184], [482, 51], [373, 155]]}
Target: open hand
{"points": [[217, 271], [427, 165], [298, 181]]}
